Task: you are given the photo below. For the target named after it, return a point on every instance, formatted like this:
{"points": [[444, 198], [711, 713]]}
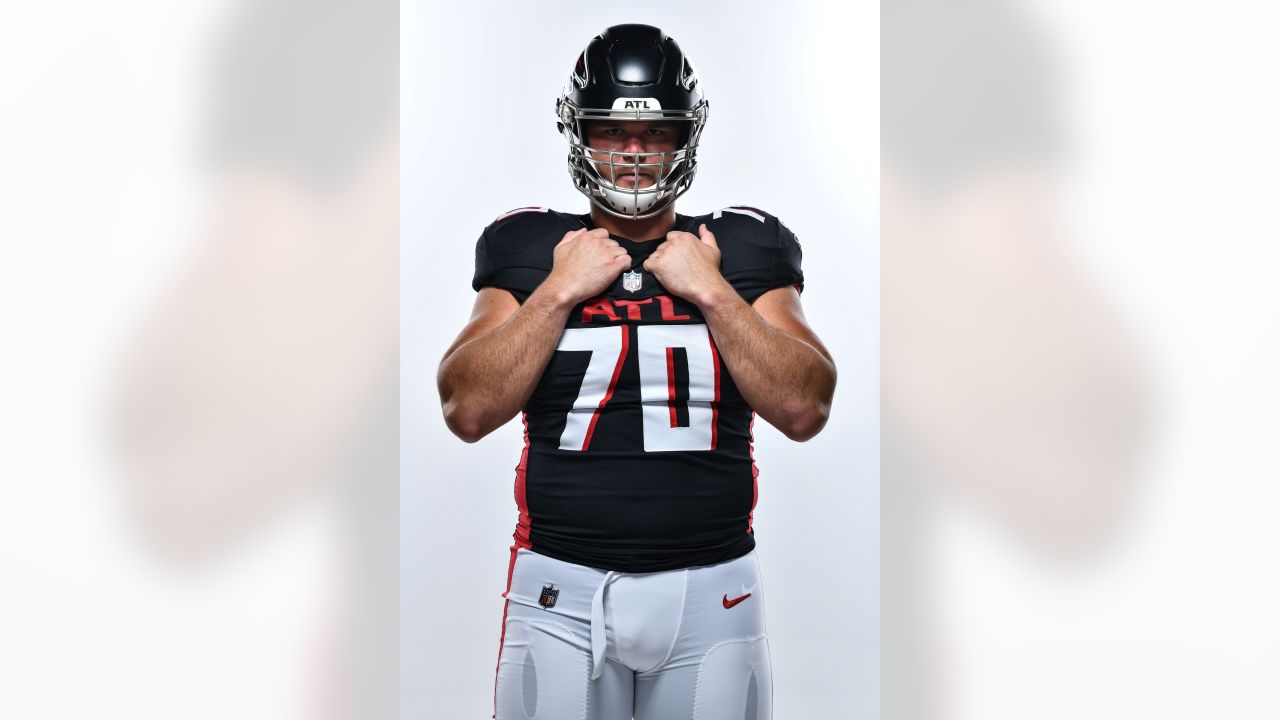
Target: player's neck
{"points": [[640, 230]]}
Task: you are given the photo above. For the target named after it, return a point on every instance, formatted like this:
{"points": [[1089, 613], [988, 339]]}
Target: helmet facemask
{"points": [[595, 170]]}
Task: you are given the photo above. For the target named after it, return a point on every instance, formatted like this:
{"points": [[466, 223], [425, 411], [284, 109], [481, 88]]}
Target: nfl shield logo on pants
{"points": [[549, 595], [631, 281]]}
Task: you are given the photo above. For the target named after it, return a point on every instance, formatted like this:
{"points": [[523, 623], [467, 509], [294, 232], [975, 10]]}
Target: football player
{"points": [[638, 344]]}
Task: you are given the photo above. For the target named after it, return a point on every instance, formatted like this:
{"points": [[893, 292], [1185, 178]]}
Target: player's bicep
{"points": [[493, 307], [781, 309]]}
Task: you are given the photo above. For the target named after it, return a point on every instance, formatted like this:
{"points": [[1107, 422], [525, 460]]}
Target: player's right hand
{"points": [[586, 262]]}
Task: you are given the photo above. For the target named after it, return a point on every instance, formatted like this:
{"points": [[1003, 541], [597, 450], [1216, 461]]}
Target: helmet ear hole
{"points": [[566, 118]]}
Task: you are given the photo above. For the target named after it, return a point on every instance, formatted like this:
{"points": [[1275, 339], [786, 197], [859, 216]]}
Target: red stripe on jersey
{"points": [[613, 382], [517, 211], [755, 471], [744, 210], [671, 386], [521, 535], [715, 403]]}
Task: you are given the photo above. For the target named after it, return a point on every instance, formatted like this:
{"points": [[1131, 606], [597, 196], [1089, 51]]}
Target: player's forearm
{"points": [[484, 382], [784, 379]]}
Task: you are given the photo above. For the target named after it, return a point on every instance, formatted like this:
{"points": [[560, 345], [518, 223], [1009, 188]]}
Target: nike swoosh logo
{"points": [[730, 603]]}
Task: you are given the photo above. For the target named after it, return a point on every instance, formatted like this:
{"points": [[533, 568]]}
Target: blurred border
{"points": [[201, 261]]}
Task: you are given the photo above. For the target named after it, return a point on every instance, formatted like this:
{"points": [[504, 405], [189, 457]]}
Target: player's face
{"points": [[647, 142]]}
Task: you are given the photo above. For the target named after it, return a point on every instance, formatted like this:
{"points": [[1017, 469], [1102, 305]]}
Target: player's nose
{"points": [[633, 145]]}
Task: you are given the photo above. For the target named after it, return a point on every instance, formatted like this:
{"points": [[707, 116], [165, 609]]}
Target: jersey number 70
{"points": [[656, 346]]}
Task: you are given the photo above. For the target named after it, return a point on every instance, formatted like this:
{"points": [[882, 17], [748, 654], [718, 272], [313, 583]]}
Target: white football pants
{"points": [[675, 645]]}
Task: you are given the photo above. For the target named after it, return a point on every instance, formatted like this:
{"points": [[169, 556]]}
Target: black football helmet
{"points": [[632, 72]]}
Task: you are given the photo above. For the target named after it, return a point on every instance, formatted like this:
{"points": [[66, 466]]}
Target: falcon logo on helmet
{"points": [[632, 72]]}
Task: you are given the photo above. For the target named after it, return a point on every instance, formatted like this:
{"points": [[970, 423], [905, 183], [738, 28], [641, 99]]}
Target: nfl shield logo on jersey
{"points": [[631, 281], [549, 595]]}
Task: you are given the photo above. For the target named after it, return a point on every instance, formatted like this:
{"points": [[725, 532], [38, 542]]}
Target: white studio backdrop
{"points": [[794, 129]]}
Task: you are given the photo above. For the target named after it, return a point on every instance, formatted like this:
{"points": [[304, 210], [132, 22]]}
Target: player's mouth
{"points": [[632, 180]]}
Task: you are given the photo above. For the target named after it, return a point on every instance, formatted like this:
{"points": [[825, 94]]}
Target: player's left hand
{"points": [[688, 265]]}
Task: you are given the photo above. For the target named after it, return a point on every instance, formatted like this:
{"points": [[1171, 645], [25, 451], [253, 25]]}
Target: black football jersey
{"points": [[638, 446]]}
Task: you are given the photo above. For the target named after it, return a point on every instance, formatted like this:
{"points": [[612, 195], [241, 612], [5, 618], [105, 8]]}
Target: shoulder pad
{"points": [[758, 252], [516, 251], [521, 229], [745, 223]]}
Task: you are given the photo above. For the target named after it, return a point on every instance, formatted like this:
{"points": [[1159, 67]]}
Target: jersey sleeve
{"points": [[786, 266], [486, 269], [758, 252], [513, 255]]}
